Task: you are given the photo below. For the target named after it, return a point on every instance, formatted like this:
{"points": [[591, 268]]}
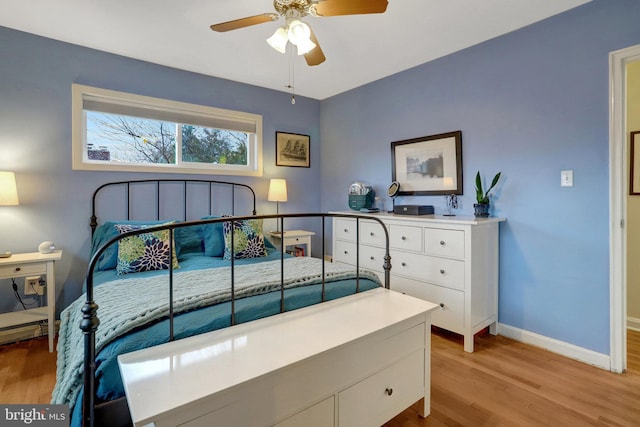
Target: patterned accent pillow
{"points": [[144, 252], [248, 240]]}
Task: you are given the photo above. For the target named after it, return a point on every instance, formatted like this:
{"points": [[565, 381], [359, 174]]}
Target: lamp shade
{"points": [[279, 40], [8, 189], [277, 190]]}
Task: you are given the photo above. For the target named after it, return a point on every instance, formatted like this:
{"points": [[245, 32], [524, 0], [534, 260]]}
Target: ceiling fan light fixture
{"points": [[279, 40], [305, 46], [299, 32]]}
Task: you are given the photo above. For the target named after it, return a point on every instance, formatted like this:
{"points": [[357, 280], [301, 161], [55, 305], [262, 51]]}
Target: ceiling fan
{"points": [[298, 32]]}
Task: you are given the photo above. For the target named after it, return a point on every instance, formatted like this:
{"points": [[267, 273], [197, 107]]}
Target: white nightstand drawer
{"points": [[442, 242], [379, 397], [405, 237], [22, 270]]}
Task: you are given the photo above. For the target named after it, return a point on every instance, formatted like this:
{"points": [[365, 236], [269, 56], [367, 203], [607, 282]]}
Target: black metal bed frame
{"points": [[112, 412]]}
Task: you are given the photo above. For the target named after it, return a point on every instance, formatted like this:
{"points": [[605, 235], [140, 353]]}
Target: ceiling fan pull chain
{"points": [[292, 77]]}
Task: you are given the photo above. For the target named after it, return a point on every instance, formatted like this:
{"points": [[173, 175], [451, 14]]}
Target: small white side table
{"points": [[292, 238], [32, 264]]}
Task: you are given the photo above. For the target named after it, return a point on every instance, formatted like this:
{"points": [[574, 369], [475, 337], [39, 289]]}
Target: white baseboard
{"points": [[24, 333], [633, 323], [571, 351]]}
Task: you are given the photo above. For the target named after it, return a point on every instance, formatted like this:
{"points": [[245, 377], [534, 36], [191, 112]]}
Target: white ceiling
{"points": [[359, 48]]}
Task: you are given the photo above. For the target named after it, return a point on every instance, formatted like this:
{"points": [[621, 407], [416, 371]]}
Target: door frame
{"points": [[618, 174]]}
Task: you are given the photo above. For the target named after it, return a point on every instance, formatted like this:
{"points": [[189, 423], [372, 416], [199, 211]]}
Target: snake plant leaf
{"points": [[494, 182]]}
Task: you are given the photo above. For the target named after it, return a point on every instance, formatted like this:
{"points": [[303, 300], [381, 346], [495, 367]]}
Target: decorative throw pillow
{"points": [[213, 237], [108, 231], [248, 240], [144, 252]]}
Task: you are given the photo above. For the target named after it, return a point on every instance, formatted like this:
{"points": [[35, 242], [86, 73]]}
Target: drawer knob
{"points": [[371, 234], [346, 231], [442, 305], [372, 258], [441, 271], [389, 391], [404, 264], [346, 252], [441, 242], [403, 238], [17, 269], [297, 239]]}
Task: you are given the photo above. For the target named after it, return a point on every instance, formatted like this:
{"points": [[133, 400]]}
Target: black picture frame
{"points": [[428, 166], [634, 164], [293, 149]]}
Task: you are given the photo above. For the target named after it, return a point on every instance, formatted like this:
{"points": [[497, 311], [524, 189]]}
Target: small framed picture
{"points": [[428, 166], [292, 149]]}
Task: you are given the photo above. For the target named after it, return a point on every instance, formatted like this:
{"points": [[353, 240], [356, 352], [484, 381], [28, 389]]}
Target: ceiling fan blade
{"points": [[350, 7], [315, 56], [244, 22]]}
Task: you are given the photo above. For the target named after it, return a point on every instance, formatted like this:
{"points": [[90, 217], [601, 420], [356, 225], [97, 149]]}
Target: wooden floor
{"points": [[503, 383]]}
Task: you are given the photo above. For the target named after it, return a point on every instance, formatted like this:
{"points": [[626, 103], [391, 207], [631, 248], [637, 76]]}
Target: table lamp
{"points": [[277, 193], [8, 195]]}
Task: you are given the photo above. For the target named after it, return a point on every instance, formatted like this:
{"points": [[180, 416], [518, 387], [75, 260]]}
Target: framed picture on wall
{"points": [[634, 167], [428, 166], [292, 149]]}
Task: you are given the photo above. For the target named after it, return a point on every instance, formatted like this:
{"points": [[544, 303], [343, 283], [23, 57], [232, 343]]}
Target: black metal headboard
{"points": [[185, 184]]}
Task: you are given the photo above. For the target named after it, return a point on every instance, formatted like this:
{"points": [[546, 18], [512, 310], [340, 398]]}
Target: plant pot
{"points": [[481, 210]]}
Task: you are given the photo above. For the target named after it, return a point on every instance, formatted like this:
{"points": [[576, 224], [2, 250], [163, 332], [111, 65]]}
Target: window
{"points": [[123, 132]]}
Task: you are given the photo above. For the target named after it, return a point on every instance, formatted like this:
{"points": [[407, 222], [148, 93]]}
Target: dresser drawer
{"points": [[23, 270], [371, 258], [378, 398], [371, 233], [405, 237], [446, 243], [345, 229], [319, 415], [450, 315], [345, 252], [444, 271]]}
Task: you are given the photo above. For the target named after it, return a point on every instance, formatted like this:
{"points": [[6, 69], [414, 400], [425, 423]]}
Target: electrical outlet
{"points": [[32, 285]]}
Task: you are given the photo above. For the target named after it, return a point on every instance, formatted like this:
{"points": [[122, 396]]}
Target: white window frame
{"points": [[110, 101]]}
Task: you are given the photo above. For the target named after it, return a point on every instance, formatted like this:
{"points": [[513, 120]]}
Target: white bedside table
{"points": [[32, 264], [292, 238]]}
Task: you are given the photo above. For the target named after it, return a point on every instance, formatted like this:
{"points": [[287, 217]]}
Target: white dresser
{"points": [[450, 261]]}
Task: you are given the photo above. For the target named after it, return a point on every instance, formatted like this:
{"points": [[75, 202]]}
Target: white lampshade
{"points": [[279, 40], [277, 190], [298, 32], [8, 189], [305, 46]]}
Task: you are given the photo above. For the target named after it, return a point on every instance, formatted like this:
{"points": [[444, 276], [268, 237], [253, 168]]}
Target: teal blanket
{"points": [[128, 303]]}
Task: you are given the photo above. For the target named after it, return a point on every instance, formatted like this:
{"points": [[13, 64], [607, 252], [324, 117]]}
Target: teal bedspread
{"points": [[133, 311]]}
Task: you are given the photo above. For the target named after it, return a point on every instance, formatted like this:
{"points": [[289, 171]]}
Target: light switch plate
{"points": [[566, 178]]}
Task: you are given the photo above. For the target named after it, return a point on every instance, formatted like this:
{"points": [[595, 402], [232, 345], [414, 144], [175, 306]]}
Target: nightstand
{"points": [[32, 264], [292, 238]]}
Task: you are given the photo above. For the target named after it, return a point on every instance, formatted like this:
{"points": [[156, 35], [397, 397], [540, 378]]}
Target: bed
{"points": [[206, 272]]}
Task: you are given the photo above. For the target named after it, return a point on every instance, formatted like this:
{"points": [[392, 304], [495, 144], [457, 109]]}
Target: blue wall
{"points": [[35, 141], [530, 104]]}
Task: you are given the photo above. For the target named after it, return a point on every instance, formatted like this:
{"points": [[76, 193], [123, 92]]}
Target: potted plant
{"points": [[482, 197]]}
